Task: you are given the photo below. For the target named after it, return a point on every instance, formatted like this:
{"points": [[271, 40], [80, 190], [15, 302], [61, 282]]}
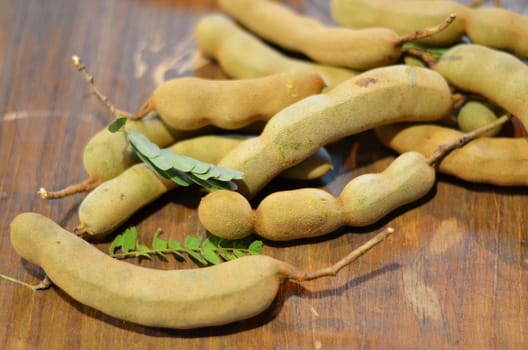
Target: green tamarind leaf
{"points": [[174, 245], [161, 162], [192, 242], [142, 251], [180, 169], [179, 162], [200, 167], [129, 239], [228, 257], [117, 124], [197, 257], [210, 255], [116, 244], [227, 174], [178, 177], [143, 144], [158, 243], [208, 243], [255, 247]]}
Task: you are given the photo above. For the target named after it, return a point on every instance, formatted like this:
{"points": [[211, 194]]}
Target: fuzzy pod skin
{"points": [[107, 154], [378, 97], [190, 103], [113, 202], [313, 212], [475, 114], [402, 17], [498, 76], [489, 26], [180, 299], [498, 161], [241, 55], [343, 47], [214, 147]]}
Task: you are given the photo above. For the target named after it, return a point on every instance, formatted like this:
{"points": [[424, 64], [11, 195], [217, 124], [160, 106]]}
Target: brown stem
{"points": [[426, 32], [90, 80], [477, 3], [85, 186], [143, 111], [424, 55], [45, 283], [458, 100], [334, 269], [446, 148]]}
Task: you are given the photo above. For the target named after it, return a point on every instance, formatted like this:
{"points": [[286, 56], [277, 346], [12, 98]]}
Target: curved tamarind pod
{"points": [[113, 202], [241, 55], [180, 299], [492, 160], [190, 103], [343, 47], [374, 98], [313, 212], [498, 28], [498, 76]]}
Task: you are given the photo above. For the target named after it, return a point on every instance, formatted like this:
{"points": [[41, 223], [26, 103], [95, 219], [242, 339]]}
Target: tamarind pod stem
{"points": [[180, 299]]}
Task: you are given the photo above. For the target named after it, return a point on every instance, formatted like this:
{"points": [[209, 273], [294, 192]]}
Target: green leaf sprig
{"points": [[209, 251], [180, 169]]}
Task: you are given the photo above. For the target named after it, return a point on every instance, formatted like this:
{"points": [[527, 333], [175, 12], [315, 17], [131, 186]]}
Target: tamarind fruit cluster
{"points": [[351, 81], [114, 201]]}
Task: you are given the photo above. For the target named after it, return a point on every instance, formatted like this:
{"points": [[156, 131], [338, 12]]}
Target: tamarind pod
{"points": [[402, 17], [498, 161], [500, 29], [313, 212], [241, 55], [182, 299], [498, 76], [373, 98], [113, 202], [494, 27], [360, 49], [190, 103], [474, 114]]}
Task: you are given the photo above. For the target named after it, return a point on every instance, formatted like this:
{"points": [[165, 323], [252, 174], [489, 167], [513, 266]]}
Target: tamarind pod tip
{"points": [[43, 193], [76, 60]]}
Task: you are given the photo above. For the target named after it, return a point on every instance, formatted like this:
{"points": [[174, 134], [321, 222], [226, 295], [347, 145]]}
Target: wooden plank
{"points": [[454, 275]]}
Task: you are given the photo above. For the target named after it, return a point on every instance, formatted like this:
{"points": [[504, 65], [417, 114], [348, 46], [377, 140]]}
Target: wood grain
{"points": [[455, 275]]}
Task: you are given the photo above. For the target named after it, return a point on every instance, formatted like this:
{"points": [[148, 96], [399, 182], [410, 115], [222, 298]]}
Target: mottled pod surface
{"points": [[374, 98], [496, 75], [180, 299], [243, 55], [498, 161]]}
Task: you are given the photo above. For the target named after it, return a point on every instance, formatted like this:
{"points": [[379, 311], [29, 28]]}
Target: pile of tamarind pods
{"points": [[350, 81]]}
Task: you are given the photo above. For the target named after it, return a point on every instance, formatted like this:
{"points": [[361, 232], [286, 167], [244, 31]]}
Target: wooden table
{"points": [[453, 276]]}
